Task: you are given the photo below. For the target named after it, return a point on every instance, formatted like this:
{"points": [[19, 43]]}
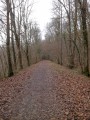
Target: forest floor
{"points": [[45, 91]]}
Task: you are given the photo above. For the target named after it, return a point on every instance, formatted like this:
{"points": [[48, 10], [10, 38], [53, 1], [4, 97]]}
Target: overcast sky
{"points": [[42, 11]]}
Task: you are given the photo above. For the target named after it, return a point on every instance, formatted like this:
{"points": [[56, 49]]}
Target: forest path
{"points": [[45, 91]]}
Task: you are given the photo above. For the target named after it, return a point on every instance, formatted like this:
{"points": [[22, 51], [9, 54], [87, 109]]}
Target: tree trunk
{"points": [[71, 59], [61, 39], [10, 70], [83, 8], [27, 52], [13, 47], [17, 38]]}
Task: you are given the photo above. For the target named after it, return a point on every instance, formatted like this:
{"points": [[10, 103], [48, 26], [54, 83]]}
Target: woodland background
{"points": [[67, 37]]}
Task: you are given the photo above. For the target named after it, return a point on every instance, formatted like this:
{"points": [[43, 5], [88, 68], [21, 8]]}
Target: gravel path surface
{"points": [[45, 92]]}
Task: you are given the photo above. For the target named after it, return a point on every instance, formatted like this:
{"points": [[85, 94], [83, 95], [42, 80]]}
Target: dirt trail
{"points": [[45, 92]]}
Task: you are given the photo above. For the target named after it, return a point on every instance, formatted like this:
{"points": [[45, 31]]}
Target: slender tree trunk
{"points": [[61, 40], [27, 52], [75, 28], [13, 47], [3, 70], [10, 70], [71, 60]]}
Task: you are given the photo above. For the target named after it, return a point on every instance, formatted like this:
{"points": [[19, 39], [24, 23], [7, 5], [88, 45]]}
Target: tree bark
{"points": [[10, 70], [83, 8]]}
